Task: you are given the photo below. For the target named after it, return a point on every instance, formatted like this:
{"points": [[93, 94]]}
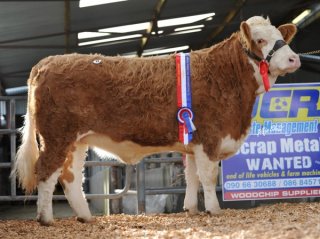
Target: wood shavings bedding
{"points": [[283, 220]]}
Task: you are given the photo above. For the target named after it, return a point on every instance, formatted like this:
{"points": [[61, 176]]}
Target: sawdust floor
{"points": [[283, 220]]}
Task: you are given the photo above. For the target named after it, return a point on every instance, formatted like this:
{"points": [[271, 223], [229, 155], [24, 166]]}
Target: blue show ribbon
{"points": [[188, 80], [188, 122]]}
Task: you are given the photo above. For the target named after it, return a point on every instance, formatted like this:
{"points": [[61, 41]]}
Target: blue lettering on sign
{"points": [[300, 99], [305, 99], [265, 108]]}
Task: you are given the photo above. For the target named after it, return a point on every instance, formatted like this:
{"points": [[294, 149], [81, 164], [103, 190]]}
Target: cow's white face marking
{"points": [[284, 59]]}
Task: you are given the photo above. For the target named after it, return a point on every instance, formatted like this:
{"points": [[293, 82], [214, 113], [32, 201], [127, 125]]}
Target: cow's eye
{"points": [[261, 41]]}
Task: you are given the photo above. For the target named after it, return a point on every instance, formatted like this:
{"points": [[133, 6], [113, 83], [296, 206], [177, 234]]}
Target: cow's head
{"points": [[261, 38]]}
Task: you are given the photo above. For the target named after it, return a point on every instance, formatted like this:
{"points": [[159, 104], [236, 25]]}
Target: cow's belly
{"points": [[230, 146], [127, 151]]}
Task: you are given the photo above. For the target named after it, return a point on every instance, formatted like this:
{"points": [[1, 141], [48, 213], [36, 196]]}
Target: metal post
{"points": [[141, 186], [12, 126]]}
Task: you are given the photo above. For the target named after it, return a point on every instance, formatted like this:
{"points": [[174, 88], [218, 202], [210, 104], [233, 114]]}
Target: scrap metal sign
{"points": [[281, 156]]}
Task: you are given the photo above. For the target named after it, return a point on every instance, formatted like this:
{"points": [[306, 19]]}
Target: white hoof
{"points": [[191, 211]]}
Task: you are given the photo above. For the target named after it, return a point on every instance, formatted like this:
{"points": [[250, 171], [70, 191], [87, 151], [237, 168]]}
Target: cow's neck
{"points": [[229, 78], [243, 75]]}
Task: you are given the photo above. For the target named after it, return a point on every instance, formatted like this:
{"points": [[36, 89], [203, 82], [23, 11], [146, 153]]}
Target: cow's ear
{"points": [[246, 34], [288, 31]]}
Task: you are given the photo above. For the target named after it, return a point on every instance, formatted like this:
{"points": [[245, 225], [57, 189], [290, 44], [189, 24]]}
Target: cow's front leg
{"points": [[208, 175], [192, 180]]}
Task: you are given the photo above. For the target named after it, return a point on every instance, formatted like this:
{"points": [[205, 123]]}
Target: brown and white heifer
{"points": [[128, 106]]}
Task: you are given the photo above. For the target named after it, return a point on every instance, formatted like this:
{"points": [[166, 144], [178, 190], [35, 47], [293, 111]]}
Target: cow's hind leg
{"points": [[192, 180], [44, 203], [48, 169], [208, 175], [71, 180]]}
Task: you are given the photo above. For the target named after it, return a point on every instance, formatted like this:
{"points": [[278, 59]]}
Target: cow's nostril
{"points": [[294, 61]]}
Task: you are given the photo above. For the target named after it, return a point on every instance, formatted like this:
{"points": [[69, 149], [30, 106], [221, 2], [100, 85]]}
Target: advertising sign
{"points": [[281, 156]]}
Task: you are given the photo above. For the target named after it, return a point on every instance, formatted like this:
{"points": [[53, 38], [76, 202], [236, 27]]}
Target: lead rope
{"points": [[309, 52]]}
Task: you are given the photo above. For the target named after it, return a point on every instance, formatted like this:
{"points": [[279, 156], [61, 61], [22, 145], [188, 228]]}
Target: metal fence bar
{"points": [[167, 190], [141, 187], [164, 160], [8, 131], [104, 163], [60, 197], [5, 165], [8, 98], [12, 126], [86, 164]]}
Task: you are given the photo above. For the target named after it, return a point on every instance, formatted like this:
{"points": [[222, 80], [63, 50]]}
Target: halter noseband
{"points": [[277, 45]]}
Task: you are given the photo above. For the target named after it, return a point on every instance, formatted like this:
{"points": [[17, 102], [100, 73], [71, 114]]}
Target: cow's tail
{"points": [[28, 152]]}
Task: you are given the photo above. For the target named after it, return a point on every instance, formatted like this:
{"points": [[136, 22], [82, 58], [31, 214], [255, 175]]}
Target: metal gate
{"points": [[9, 110]]}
